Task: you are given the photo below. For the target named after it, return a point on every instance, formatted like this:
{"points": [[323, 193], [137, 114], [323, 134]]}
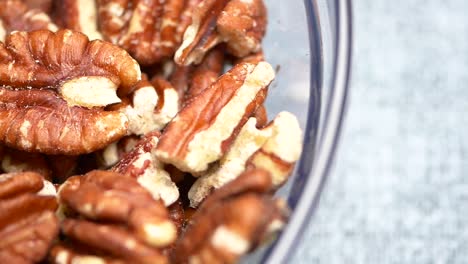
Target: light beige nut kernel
{"points": [[281, 151], [233, 164], [153, 106], [142, 164], [205, 128], [274, 148]]}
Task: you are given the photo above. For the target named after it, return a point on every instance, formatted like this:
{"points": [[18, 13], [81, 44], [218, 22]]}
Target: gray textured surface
{"points": [[399, 191]]}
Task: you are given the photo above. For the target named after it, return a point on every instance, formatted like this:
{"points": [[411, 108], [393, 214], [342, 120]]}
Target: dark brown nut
{"points": [[15, 15], [141, 164], [19, 161], [274, 148], [28, 225], [206, 127], [240, 24], [232, 222], [61, 82], [206, 73], [78, 15], [146, 29], [117, 198], [62, 166]]}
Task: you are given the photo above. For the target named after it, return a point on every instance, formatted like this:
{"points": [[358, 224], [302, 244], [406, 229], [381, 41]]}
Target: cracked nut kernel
{"points": [[238, 23], [233, 164], [142, 164], [274, 148], [117, 198], [206, 127], [232, 221], [282, 149], [152, 106], [28, 225], [15, 15], [61, 82]]}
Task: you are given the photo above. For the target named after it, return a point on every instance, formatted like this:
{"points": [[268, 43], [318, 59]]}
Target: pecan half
{"points": [[240, 24], [28, 225], [233, 164], [146, 29], [115, 198], [282, 149], [206, 127], [274, 148], [53, 87], [232, 221], [15, 15], [78, 15], [141, 164], [152, 106]]}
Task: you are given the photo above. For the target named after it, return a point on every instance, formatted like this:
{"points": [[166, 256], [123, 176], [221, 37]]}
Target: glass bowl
{"points": [[309, 42]]}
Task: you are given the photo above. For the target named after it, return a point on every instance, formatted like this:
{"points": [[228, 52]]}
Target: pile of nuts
{"points": [[122, 139]]}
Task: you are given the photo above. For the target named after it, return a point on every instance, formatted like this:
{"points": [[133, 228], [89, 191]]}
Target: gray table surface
{"points": [[399, 191]]}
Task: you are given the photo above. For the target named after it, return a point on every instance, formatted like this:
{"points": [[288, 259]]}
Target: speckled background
{"points": [[399, 189]]}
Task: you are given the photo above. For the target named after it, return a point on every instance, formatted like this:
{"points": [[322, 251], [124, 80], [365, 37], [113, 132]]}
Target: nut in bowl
{"points": [[157, 154]]}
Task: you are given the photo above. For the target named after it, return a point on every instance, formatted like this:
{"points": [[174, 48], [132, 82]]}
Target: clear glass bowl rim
{"points": [[327, 137]]}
